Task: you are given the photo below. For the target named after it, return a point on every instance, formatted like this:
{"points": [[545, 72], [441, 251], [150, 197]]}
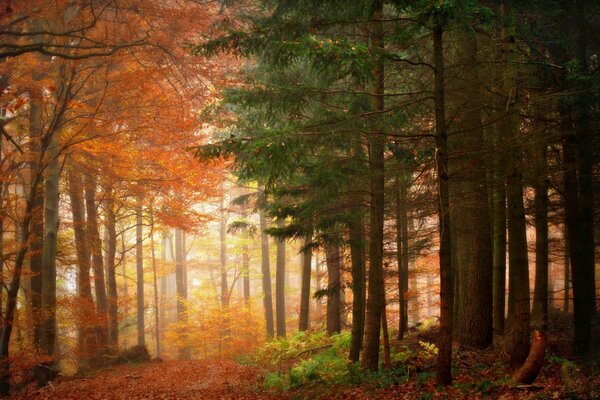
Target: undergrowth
{"points": [[316, 358]]}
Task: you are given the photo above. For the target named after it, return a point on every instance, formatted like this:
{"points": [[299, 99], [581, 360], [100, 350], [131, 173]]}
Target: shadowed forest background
{"points": [[272, 198]]}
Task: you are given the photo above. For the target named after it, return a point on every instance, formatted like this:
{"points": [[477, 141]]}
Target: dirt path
{"points": [[165, 380]]}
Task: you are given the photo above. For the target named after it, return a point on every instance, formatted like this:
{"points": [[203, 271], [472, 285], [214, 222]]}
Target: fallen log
{"points": [[535, 360]]}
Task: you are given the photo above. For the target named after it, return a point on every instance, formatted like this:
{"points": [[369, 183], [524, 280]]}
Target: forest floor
{"points": [[230, 380]]}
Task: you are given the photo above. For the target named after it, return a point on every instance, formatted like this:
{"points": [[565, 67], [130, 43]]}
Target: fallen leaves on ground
{"points": [[167, 380]]}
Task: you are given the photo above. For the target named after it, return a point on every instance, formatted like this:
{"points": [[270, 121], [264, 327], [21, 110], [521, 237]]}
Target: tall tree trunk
{"points": [[332, 250], [518, 302], [155, 285], [402, 254], [139, 269], [444, 362], [357, 255], [182, 316], [37, 221], [469, 202], [567, 270], [304, 321], [87, 339], [226, 333], [370, 359], [280, 283], [111, 279], [266, 275], [498, 205], [540, 297], [97, 261], [245, 258], [51, 220], [578, 154]]}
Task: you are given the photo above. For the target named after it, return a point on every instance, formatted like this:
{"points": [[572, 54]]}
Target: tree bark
{"points": [[540, 297], [402, 254], [87, 339], [357, 255], [37, 221], [370, 359], [333, 285], [139, 269], [180, 279], [469, 202], [280, 284], [266, 275], [304, 320], [444, 362], [97, 261], [111, 280], [245, 258]]}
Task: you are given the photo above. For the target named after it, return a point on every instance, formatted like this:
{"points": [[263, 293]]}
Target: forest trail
{"points": [[167, 380]]}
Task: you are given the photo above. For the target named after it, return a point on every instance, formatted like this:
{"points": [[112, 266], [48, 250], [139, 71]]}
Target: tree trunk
{"points": [[111, 280], [498, 235], [266, 275], [332, 250], [567, 270], [245, 258], [469, 202], [51, 220], [97, 261], [87, 339], [518, 302], [540, 297], [357, 255], [180, 280], [402, 255], [370, 359], [280, 283], [37, 221], [226, 333], [444, 362], [155, 285], [305, 286], [139, 269], [578, 154]]}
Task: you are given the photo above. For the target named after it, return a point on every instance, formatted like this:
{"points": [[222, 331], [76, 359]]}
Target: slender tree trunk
{"points": [[402, 255], [280, 284], [333, 286], [155, 284], [180, 280], [87, 339], [226, 333], [245, 258], [266, 275], [111, 280], [387, 361], [519, 303], [97, 261], [305, 286], [139, 268], [540, 297], [498, 204], [567, 270], [357, 255], [51, 220], [370, 359], [444, 363]]}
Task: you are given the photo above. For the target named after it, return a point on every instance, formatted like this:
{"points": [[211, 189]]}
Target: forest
{"points": [[283, 199]]}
